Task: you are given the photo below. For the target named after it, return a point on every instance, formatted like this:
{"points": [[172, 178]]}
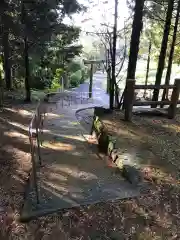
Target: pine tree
{"points": [[162, 55]]}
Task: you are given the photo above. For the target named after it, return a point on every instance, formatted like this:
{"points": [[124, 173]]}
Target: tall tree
{"points": [[27, 34], [42, 21], [164, 43], [135, 41], [26, 53], [148, 65], [5, 23], [113, 42], [170, 61], [135, 38], [113, 56], [6, 55]]}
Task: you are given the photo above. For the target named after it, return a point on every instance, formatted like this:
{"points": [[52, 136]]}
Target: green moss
{"points": [[119, 162], [111, 146], [98, 126]]}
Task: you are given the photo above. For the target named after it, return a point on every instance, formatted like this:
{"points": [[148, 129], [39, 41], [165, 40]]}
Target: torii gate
{"points": [[92, 62]]}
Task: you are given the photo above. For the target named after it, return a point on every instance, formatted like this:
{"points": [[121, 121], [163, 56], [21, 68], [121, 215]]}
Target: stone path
{"points": [[72, 174]]}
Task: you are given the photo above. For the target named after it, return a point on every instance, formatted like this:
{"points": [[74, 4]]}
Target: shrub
{"points": [[55, 85], [75, 78], [38, 82], [74, 67]]}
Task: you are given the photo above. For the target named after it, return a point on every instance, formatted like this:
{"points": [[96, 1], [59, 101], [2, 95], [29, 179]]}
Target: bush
{"points": [[83, 78], [55, 85], [74, 66], [38, 82], [75, 78]]}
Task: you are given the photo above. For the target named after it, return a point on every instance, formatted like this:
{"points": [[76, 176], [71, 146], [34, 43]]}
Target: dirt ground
{"points": [[152, 216]]}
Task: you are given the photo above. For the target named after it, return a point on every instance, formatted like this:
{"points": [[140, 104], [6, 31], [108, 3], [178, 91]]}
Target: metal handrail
{"points": [[35, 129]]}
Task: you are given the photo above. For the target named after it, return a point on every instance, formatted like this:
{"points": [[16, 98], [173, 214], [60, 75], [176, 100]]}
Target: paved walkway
{"points": [[72, 173], [99, 94]]}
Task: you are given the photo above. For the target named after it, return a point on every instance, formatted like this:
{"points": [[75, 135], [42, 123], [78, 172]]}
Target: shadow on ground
{"points": [[14, 163]]}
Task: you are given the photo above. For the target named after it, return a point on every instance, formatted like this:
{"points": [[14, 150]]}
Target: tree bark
{"points": [[1, 90], [26, 54], [108, 71], [91, 81], [27, 75], [170, 62], [6, 60], [113, 56], [135, 40], [162, 55], [148, 64]]}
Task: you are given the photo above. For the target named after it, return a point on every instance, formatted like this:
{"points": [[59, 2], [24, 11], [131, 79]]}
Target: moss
{"points": [[111, 146], [98, 126], [119, 162]]}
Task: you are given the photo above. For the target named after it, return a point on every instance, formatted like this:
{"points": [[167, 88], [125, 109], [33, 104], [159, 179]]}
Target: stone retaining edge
{"points": [[107, 145]]}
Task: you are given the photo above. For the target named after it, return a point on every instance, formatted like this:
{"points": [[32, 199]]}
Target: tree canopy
{"points": [[34, 39]]}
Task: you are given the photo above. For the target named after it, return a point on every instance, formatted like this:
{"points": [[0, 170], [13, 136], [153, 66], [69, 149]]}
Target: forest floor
{"points": [[152, 216]]}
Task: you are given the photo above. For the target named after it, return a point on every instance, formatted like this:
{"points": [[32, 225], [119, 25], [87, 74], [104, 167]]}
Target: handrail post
{"points": [[129, 96], [174, 99], [37, 125], [34, 171]]}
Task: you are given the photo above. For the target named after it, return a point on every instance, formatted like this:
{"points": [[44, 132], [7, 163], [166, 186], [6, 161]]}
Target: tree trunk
{"points": [[27, 75], [91, 81], [162, 55], [107, 71], [1, 90], [108, 80], [148, 64], [170, 62], [6, 60], [117, 103], [113, 56], [135, 40]]}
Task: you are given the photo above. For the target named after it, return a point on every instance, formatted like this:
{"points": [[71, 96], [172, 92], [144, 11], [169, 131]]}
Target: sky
{"points": [[97, 9], [97, 13]]}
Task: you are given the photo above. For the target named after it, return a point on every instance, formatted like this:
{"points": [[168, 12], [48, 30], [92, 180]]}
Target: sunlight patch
{"points": [[58, 146], [172, 126], [14, 134], [52, 114], [18, 125], [74, 123], [11, 110], [25, 112], [76, 173], [60, 136]]}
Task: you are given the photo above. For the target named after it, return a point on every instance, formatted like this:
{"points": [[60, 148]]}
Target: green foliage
{"points": [[50, 41], [38, 95], [38, 82], [55, 85], [74, 66], [78, 73], [85, 73], [75, 78]]}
